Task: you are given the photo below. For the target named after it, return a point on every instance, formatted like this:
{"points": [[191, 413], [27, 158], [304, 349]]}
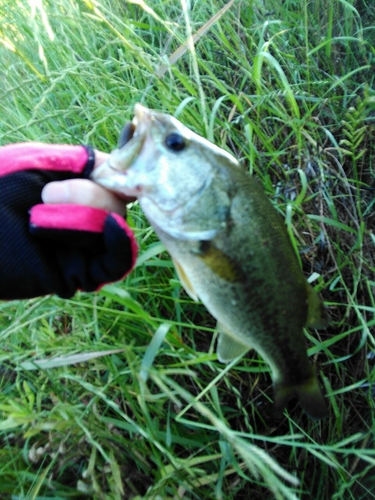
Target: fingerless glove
{"points": [[55, 249]]}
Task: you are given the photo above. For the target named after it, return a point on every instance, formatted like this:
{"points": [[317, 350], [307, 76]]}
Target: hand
{"points": [[85, 192], [54, 247]]}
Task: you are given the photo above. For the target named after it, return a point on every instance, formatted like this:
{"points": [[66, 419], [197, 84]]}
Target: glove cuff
{"points": [[45, 157], [69, 217], [90, 161]]}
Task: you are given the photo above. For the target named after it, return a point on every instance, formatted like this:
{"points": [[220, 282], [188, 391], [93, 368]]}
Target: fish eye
{"points": [[175, 142]]}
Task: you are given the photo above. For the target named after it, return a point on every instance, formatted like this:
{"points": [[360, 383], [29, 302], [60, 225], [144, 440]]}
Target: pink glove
{"points": [[46, 249]]}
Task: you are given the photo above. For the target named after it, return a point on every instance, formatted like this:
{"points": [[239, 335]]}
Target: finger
{"points": [[100, 157], [82, 192]]}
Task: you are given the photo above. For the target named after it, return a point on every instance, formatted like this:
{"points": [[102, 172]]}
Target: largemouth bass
{"points": [[230, 247]]}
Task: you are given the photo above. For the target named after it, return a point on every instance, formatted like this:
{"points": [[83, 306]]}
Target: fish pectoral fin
{"points": [[308, 394], [219, 262], [317, 316], [228, 348], [186, 283]]}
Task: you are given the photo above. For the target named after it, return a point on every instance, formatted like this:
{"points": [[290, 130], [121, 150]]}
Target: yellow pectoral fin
{"points": [[185, 281], [228, 348], [220, 263], [317, 316]]}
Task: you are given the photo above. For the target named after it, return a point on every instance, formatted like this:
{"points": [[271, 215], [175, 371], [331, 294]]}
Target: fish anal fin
{"points": [[317, 315], [228, 348], [308, 393], [186, 283]]}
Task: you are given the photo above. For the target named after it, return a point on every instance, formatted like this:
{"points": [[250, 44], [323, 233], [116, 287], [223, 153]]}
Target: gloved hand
{"points": [[59, 248]]}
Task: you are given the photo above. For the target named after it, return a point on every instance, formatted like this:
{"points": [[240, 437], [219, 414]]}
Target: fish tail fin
{"points": [[308, 394]]}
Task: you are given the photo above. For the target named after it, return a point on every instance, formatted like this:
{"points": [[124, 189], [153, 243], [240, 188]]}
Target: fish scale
{"points": [[230, 247]]}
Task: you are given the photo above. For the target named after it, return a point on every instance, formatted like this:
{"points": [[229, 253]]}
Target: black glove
{"points": [[55, 249]]}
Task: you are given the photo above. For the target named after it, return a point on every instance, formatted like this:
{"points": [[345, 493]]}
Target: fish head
{"points": [[164, 164]]}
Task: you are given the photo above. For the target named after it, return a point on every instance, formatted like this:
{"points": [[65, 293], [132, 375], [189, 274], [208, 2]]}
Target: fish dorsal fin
{"points": [[228, 347], [317, 316], [186, 283]]}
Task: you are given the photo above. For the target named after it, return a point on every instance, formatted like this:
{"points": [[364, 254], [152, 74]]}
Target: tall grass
{"points": [[288, 87]]}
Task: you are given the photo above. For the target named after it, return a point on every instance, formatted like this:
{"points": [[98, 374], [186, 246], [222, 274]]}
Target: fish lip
{"points": [[139, 112], [131, 128], [141, 119]]}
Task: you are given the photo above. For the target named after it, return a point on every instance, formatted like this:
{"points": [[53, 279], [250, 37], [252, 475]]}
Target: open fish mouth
{"points": [[112, 174], [137, 126], [127, 133]]}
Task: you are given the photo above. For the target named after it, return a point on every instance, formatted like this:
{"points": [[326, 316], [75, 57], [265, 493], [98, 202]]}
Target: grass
{"points": [[289, 89]]}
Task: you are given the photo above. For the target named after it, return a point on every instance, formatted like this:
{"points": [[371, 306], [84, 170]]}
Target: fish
{"points": [[230, 247]]}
